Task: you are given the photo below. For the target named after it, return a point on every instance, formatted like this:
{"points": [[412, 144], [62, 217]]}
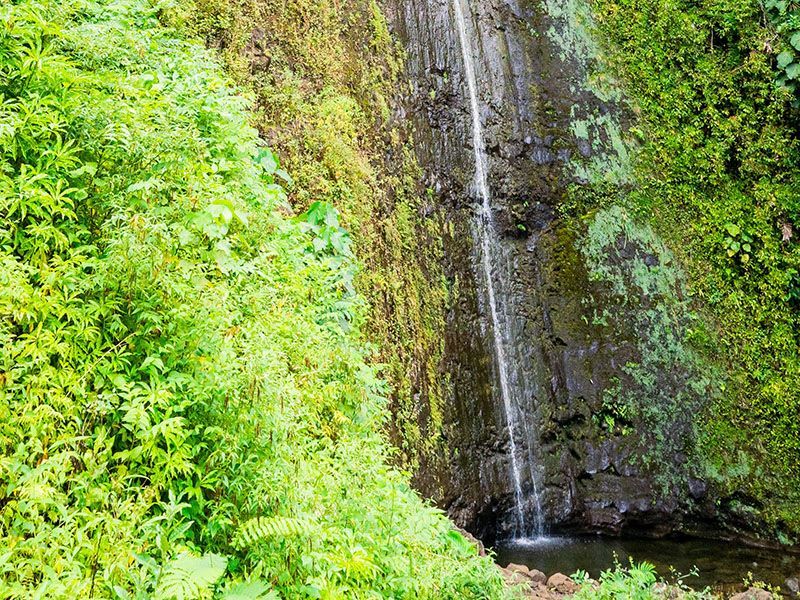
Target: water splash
{"points": [[488, 243]]}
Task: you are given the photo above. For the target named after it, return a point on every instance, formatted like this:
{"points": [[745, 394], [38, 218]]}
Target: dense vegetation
{"points": [[186, 405], [325, 78], [712, 87]]}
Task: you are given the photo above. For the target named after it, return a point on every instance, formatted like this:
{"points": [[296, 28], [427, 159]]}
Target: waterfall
{"points": [[488, 241]]}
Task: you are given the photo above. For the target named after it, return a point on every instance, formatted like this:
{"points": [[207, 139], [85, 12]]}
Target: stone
{"points": [[793, 585], [660, 588], [532, 575], [537, 576], [563, 584], [515, 568], [697, 488], [669, 592], [753, 594], [515, 577]]}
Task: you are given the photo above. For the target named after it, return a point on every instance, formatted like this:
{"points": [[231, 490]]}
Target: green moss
{"points": [[717, 178], [668, 383]]}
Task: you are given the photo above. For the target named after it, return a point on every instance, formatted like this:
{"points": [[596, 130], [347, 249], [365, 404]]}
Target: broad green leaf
{"points": [[785, 58], [793, 70]]}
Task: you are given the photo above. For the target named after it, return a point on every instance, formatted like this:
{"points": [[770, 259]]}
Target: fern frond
{"points": [[189, 577], [264, 528]]}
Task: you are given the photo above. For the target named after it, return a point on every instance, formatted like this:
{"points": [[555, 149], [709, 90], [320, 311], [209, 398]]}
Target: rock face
{"points": [[549, 125], [793, 585]]}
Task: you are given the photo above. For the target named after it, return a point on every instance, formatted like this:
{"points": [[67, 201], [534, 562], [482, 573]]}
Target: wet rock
{"points": [[753, 594], [540, 121], [697, 488], [598, 458], [793, 585], [562, 584]]}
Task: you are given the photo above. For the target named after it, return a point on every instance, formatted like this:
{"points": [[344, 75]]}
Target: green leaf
{"points": [[190, 577], [785, 58], [795, 40], [89, 168], [733, 229], [268, 161], [793, 71], [777, 5]]}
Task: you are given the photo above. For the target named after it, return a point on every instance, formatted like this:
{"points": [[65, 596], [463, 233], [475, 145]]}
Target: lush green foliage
{"points": [[324, 102], [636, 582], [785, 15], [185, 406], [718, 178]]}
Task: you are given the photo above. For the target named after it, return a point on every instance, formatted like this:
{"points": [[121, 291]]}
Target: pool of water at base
{"points": [[721, 566]]}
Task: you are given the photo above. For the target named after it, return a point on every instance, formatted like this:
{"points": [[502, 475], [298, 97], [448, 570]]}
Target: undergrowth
{"points": [[186, 408]]}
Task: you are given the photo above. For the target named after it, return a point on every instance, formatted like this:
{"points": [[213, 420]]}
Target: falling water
{"points": [[485, 226]]}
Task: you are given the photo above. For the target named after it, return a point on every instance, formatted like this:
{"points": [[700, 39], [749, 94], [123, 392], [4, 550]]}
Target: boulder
{"points": [[793, 585], [753, 594], [515, 568], [537, 576], [522, 574], [563, 584], [516, 574]]}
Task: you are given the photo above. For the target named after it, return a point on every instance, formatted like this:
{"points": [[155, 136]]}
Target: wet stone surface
{"points": [[545, 129]]}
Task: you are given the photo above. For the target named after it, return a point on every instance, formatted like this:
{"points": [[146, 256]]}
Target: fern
{"points": [[190, 577], [264, 528], [254, 590]]}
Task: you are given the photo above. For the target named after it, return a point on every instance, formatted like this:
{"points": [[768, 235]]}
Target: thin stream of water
{"points": [[487, 241]]}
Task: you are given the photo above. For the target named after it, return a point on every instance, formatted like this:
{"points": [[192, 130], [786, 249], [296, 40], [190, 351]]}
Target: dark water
{"points": [[720, 565]]}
